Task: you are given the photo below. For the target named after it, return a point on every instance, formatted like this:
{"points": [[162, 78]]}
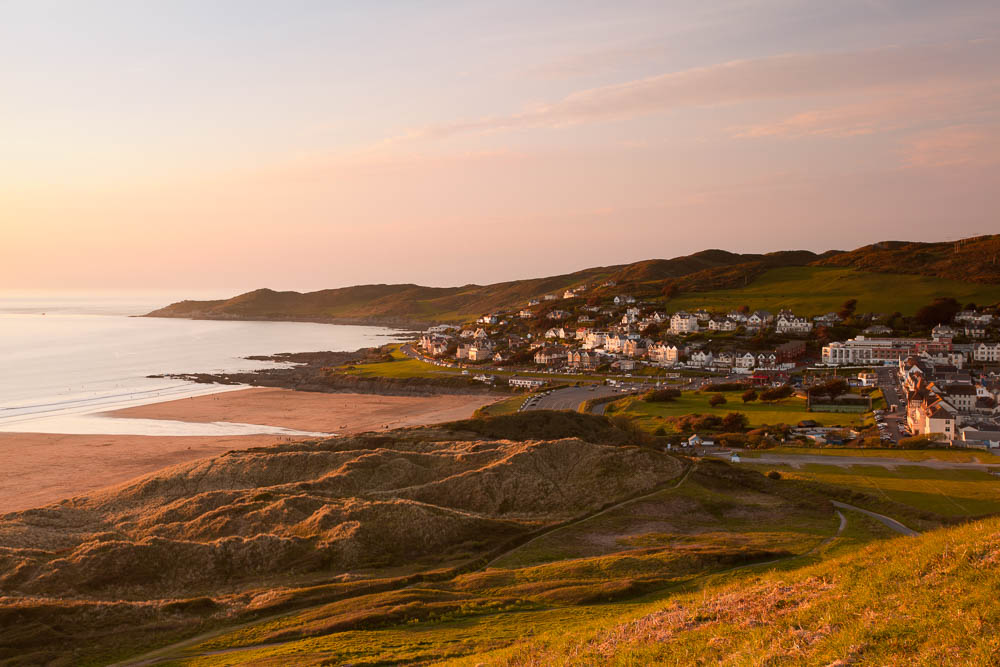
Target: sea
{"points": [[66, 358]]}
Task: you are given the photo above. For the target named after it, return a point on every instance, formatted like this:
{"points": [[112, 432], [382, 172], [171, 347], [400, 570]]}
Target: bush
{"points": [[716, 399], [735, 421], [776, 393], [774, 474], [725, 386], [662, 395], [749, 396], [660, 432], [919, 442]]}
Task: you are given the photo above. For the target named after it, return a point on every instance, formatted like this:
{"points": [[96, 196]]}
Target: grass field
{"points": [[788, 411], [811, 290], [947, 492], [403, 366], [506, 406]]}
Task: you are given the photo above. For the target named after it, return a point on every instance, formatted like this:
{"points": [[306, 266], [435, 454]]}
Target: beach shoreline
{"points": [[45, 468]]}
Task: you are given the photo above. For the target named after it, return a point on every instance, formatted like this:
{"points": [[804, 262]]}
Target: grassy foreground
{"points": [[910, 601]]}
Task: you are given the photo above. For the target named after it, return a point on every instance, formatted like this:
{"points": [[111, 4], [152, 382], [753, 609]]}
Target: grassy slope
{"points": [[789, 411], [974, 260], [947, 492], [815, 290], [911, 601]]}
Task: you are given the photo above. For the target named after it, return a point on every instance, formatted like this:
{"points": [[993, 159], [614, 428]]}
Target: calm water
{"points": [[63, 359]]}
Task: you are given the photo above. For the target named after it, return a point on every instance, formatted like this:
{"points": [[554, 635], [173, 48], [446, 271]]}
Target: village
{"points": [[942, 383]]}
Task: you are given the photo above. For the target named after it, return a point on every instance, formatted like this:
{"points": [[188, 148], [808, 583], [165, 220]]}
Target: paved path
{"points": [[886, 520], [796, 460]]}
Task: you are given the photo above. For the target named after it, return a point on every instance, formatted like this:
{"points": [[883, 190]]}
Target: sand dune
{"points": [[39, 468]]}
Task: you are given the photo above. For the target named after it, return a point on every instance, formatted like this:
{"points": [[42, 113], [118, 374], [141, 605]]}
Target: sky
{"points": [[237, 144]]}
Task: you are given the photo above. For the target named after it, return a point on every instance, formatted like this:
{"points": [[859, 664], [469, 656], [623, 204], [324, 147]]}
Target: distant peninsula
{"points": [[960, 268]]}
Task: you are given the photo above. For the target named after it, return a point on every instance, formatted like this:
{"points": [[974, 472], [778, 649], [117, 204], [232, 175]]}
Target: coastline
{"points": [[402, 323], [45, 468]]}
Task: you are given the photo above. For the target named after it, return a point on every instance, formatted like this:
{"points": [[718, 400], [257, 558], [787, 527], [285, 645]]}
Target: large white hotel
{"points": [[863, 350]]}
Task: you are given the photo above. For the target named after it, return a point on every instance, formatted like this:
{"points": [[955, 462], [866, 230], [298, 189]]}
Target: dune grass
{"points": [[812, 290], [721, 525]]}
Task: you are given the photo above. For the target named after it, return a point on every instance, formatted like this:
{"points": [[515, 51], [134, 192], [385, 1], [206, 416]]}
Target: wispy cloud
{"points": [[895, 109], [776, 77], [953, 146]]}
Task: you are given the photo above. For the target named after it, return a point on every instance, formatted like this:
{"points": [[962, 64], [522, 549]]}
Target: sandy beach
{"points": [[313, 411], [37, 469]]}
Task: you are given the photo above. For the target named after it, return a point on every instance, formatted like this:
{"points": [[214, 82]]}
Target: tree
{"points": [[847, 309], [832, 388], [749, 396], [716, 399], [776, 393], [662, 395], [940, 311], [735, 422]]}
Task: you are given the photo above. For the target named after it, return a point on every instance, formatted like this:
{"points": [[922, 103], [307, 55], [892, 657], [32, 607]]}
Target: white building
{"points": [[682, 322], [525, 383], [793, 325], [701, 359], [987, 352], [661, 353]]}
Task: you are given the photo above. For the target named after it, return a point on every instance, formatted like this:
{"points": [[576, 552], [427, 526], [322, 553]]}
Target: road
{"points": [[885, 520], [796, 460], [570, 398], [888, 382]]}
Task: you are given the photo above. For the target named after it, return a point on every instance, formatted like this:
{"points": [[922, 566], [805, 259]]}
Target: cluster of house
{"points": [[634, 340], [940, 347], [944, 399]]}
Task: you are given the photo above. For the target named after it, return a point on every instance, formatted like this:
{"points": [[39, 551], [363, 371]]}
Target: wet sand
{"points": [[313, 411], [37, 469]]}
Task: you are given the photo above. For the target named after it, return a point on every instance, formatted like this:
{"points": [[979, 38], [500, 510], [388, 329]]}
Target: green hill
{"points": [[813, 290], [974, 259], [798, 279]]}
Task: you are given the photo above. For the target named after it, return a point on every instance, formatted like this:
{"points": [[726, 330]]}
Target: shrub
{"points": [[735, 421], [774, 474], [725, 386], [749, 396], [716, 399], [776, 393], [660, 432], [662, 395]]}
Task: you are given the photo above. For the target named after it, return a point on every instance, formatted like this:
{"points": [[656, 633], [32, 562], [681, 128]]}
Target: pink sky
{"points": [[310, 145]]}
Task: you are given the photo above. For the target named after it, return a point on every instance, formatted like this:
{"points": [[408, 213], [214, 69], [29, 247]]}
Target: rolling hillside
{"points": [[967, 270], [975, 260]]}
